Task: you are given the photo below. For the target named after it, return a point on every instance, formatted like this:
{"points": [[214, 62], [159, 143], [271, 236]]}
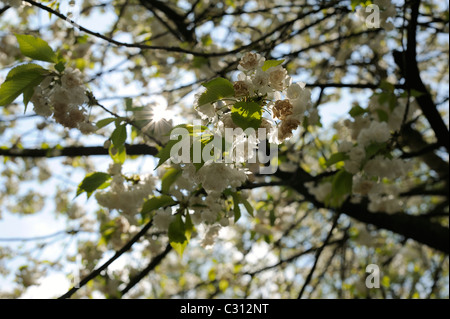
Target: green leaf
{"points": [[27, 95], [26, 68], [272, 217], [18, 80], [164, 153], [374, 148], [387, 86], [129, 104], [356, 111], [36, 48], [247, 206], [104, 122], [198, 62], [93, 182], [270, 64], [340, 186], [204, 140], [169, 178], [177, 236], [236, 209], [216, 89], [382, 115], [246, 114], [415, 93], [336, 158], [118, 154], [119, 135], [188, 225], [60, 66], [156, 202]]}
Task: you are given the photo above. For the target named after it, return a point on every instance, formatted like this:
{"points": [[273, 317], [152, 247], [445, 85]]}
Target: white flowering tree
{"points": [[238, 149]]}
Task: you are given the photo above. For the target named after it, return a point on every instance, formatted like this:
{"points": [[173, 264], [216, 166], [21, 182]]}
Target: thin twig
{"points": [[318, 253], [155, 262], [119, 253]]}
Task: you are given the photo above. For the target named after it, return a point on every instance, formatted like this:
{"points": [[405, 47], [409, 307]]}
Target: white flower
{"points": [[123, 226], [206, 111], [224, 222], [388, 204], [250, 61], [260, 81], [243, 148], [321, 191], [225, 122], [352, 166], [377, 132], [209, 216], [163, 218], [362, 186], [87, 128], [115, 169], [216, 177], [278, 77], [41, 105], [71, 78], [299, 109], [124, 197], [345, 146], [13, 3], [74, 96], [210, 236], [357, 154], [385, 167], [357, 126]]}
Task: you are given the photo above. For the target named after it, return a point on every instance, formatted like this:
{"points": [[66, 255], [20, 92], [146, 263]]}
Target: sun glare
{"points": [[157, 116], [160, 112]]}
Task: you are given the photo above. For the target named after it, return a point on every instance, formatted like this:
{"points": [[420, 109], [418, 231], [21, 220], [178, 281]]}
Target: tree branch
{"points": [[119, 253], [2, 10], [182, 32], [414, 227], [155, 262], [74, 151], [407, 62], [178, 49], [317, 255], [44, 237]]}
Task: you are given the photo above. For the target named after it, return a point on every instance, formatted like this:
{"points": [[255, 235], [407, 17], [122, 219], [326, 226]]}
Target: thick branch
{"points": [[414, 140], [74, 151], [407, 62], [409, 226], [4, 9], [182, 30]]}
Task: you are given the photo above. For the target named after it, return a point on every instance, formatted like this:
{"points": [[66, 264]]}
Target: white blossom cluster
{"points": [[288, 104], [376, 172], [320, 191], [208, 210], [64, 98], [13, 3], [382, 197], [269, 86], [126, 197]]}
